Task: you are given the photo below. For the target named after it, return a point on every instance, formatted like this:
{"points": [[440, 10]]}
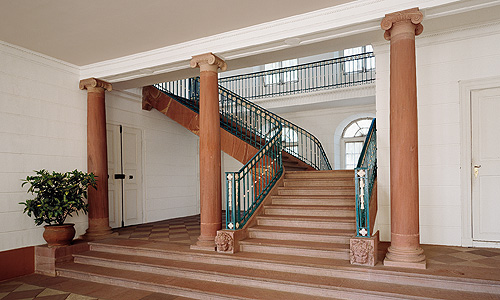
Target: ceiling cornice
{"points": [[330, 23]]}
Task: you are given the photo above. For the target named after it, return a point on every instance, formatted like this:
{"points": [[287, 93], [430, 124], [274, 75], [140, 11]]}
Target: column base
{"points": [[405, 258], [204, 244], [93, 235]]}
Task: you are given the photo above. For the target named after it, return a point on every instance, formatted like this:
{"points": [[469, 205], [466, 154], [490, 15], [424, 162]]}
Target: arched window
{"points": [[353, 139]]}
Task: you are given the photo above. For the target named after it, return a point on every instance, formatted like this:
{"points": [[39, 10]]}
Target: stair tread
{"points": [[298, 244], [312, 197], [271, 276], [316, 231], [186, 284], [311, 207], [308, 218], [342, 188]]}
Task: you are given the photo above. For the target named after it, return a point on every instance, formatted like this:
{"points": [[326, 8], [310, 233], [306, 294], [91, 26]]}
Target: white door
{"points": [[114, 186], [125, 178], [485, 168]]}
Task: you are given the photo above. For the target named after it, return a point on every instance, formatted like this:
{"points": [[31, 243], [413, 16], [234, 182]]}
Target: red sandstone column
{"points": [[401, 29], [210, 147], [97, 157]]}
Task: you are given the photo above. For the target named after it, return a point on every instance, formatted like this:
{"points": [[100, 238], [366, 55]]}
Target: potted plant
{"points": [[57, 196]]}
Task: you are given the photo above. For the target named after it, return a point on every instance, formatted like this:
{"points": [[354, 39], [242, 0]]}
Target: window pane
{"points": [[351, 130]]}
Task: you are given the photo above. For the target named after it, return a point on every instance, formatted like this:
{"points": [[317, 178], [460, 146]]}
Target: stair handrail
{"points": [[297, 141], [248, 187], [365, 174]]}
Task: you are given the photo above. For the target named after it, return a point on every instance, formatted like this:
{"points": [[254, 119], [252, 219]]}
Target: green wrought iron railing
{"points": [[333, 73], [262, 129], [365, 175]]}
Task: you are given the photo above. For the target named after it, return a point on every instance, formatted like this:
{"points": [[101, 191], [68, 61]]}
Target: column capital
{"points": [[95, 83], [412, 16], [208, 62]]}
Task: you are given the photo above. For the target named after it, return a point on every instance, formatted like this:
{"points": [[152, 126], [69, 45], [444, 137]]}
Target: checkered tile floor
{"points": [[19, 290], [180, 230], [460, 256]]}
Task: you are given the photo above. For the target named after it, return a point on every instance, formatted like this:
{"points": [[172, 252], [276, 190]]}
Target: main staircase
{"points": [[297, 246]]}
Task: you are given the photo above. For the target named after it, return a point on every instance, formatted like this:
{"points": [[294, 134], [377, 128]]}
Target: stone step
{"points": [[180, 286], [265, 282], [320, 174], [310, 210], [301, 234], [341, 182], [313, 200], [316, 191], [345, 223], [327, 268], [296, 248]]}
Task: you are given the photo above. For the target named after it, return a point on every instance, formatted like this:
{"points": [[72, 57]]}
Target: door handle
{"points": [[119, 176], [476, 170]]}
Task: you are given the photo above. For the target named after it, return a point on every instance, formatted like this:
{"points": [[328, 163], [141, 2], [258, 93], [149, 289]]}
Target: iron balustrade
{"points": [[327, 74], [365, 174]]}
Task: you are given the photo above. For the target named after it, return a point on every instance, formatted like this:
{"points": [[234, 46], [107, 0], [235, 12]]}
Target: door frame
{"points": [[143, 160], [466, 88]]}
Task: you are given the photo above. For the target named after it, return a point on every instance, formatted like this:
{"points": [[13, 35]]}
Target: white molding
{"points": [[348, 19], [458, 34], [466, 87], [39, 58]]}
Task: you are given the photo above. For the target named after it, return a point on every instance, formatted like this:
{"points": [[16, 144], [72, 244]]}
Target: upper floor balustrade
{"points": [[333, 73]]}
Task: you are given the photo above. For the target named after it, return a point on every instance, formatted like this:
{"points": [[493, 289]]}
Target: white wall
{"points": [[443, 60], [42, 125], [43, 117]]}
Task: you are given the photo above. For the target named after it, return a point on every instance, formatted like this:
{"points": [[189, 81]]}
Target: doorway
{"points": [[125, 175], [485, 164]]}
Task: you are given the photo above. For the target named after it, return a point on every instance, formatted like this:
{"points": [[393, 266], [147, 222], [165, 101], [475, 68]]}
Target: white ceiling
{"points": [[86, 32]]}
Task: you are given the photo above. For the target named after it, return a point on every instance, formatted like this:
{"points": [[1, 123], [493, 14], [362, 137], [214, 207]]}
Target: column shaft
{"points": [[405, 247], [97, 159], [210, 150]]}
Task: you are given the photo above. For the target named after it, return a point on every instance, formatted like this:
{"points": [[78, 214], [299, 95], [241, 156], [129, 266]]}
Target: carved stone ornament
{"points": [[362, 252], [412, 15], [95, 83], [208, 62], [224, 242]]}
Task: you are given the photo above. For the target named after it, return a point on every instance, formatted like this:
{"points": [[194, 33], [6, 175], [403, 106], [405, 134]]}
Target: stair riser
{"points": [[319, 175], [295, 251], [310, 212], [319, 183], [276, 235], [317, 192], [343, 273], [306, 201], [308, 224], [140, 285]]}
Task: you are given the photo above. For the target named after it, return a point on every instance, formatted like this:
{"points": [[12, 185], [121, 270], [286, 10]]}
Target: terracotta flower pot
{"points": [[59, 235]]}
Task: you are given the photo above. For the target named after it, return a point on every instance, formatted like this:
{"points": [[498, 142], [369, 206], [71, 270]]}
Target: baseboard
{"points": [[17, 262]]}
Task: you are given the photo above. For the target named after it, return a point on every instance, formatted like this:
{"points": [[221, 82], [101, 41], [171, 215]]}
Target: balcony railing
{"points": [[333, 73]]}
